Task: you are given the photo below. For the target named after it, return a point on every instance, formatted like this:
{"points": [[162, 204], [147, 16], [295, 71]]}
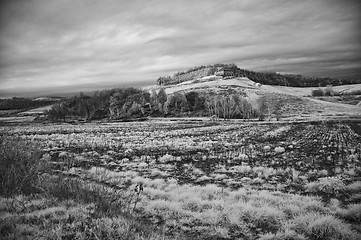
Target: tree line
{"points": [[130, 103], [294, 80], [266, 78], [18, 103]]}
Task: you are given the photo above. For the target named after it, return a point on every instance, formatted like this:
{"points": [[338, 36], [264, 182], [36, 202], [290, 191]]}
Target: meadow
{"points": [[165, 179]]}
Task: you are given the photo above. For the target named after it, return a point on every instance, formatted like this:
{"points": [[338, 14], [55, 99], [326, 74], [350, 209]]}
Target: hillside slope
{"points": [[239, 82], [297, 103], [306, 91]]}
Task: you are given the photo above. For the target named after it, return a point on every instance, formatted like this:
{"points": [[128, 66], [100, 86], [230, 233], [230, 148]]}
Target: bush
{"points": [[267, 219], [316, 226], [354, 92], [21, 166], [352, 213], [286, 235], [354, 187], [329, 227], [329, 91], [327, 188], [317, 93]]}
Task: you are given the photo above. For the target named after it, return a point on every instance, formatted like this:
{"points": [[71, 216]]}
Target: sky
{"points": [[53, 46]]}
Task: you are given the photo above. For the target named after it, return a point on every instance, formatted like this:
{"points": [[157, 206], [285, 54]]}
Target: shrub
{"points": [[211, 192], [21, 166], [158, 173], [283, 235], [327, 187], [331, 185], [291, 211], [240, 231], [267, 219], [166, 158], [312, 187], [352, 213], [140, 180], [301, 222], [314, 206], [202, 179], [329, 91], [166, 209], [279, 149], [261, 219], [354, 92], [192, 204], [355, 198], [155, 183], [316, 226], [317, 93], [329, 227], [354, 187], [130, 174], [242, 169]]}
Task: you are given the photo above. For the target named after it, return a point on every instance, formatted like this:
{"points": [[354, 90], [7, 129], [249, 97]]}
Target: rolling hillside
{"points": [[297, 102]]}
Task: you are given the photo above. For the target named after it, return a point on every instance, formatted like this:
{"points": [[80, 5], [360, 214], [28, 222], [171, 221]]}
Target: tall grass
{"points": [[20, 167], [37, 204], [108, 202], [352, 213], [210, 212], [49, 218], [89, 208]]}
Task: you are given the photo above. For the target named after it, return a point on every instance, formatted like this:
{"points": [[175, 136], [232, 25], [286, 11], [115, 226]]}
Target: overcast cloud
{"points": [[77, 45]]}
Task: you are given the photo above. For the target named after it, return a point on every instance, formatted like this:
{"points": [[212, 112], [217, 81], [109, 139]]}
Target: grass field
{"points": [[194, 180]]}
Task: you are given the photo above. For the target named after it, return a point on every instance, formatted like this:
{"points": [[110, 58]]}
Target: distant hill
{"points": [[266, 78], [27, 103]]}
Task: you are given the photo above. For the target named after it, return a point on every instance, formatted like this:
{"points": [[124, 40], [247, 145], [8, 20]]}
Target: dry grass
{"points": [[20, 167], [86, 211], [210, 211], [90, 208], [60, 207], [48, 218], [352, 213]]}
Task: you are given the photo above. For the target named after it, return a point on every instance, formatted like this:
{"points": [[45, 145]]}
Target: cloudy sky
{"points": [[49, 46]]}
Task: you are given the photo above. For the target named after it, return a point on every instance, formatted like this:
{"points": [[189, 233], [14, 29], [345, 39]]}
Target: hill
{"points": [[302, 97], [297, 102], [267, 78], [27, 103], [217, 91]]}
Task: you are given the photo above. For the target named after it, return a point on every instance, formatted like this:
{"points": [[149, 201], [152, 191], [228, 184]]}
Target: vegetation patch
{"points": [[180, 180]]}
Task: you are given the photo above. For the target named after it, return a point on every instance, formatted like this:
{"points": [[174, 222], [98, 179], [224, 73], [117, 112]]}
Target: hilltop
{"points": [[339, 101], [266, 78]]}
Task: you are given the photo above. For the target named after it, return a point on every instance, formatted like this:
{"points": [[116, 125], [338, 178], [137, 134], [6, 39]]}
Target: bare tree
{"points": [[229, 106], [269, 105], [212, 103]]}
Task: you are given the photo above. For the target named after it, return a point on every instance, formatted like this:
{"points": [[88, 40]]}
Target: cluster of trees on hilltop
{"points": [[182, 76], [17, 103], [292, 80], [267, 78], [135, 103], [212, 68]]}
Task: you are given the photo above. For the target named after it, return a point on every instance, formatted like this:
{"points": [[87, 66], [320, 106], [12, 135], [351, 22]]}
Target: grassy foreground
{"points": [[36, 203]]}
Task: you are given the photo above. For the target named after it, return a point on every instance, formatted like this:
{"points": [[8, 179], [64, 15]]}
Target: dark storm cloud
{"points": [[62, 43]]}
